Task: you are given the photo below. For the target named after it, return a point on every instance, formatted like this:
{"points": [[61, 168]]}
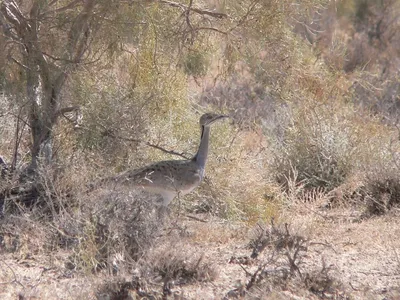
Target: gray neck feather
{"points": [[201, 157]]}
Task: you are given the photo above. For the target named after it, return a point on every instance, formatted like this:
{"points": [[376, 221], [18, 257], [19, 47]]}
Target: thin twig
{"points": [[14, 275], [110, 134]]}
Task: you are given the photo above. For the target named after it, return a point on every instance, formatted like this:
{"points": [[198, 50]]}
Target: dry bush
{"points": [[280, 240], [100, 229], [281, 263], [25, 235], [382, 189], [383, 194], [163, 268], [339, 154], [239, 177], [121, 289], [36, 209], [115, 228], [368, 38], [299, 112], [378, 164], [196, 64], [318, 144], [177, 264], [251, 93]]}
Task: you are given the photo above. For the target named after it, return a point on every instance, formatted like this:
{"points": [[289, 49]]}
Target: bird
{"points": [[170, 178]]}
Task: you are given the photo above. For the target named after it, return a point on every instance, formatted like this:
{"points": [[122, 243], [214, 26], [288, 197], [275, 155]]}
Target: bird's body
{"points": [[172, 177], [167, 178]]}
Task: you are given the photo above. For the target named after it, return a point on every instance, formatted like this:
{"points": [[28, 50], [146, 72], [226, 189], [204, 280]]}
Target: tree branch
{"points": [[194, 9], [65, 110], [107, 132], [70, 5], [114, 136], [17, 62], [79, 32], [244, 18]]}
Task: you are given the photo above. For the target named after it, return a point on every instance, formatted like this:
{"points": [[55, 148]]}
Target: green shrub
{"points": [[196, 64]]}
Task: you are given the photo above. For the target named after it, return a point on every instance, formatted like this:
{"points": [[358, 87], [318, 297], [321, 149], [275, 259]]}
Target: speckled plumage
{"points": [[172, 177]]}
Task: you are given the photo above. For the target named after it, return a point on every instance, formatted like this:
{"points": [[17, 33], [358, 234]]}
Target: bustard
{"points": [[172, 177]]}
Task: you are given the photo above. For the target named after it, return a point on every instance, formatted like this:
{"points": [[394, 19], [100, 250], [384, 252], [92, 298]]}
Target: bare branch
{"points": [[18, 136], [112, 135], [79, 33], [244, 18], [17, 62], [65, 110], [187, 17], [70, 5], [166, 151], [107, 132], [194, 9]]}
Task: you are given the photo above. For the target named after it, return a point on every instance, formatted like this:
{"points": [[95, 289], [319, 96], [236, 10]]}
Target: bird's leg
{"points": [[175, 224]]}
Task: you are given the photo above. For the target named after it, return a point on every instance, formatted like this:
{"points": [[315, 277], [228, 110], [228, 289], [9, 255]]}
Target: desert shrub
{"points": [[238, 180], [377, 163], [115, 226], [281, 256], [176, 266], [195, 64], [318, 144], [300, 108], [119, 289], [337, 150], [368, 36], [160, 271], [182, 267], [382, 183], [98, 228], [383, 194]]}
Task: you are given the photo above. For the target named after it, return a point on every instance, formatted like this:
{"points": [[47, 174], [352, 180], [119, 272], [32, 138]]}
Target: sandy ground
{"points": [[362, 254]]}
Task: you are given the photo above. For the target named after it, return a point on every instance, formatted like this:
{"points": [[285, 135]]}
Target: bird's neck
{"points": [[201, 157]]}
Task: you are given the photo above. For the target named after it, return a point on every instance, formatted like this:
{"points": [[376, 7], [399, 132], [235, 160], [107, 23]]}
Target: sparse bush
{"points": [[239, 183], [115, 226], [120, 289], [318, 144], [181, 267], [383, 192], [368, 36], [280, 257], [160, 270], [282, 242]]}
